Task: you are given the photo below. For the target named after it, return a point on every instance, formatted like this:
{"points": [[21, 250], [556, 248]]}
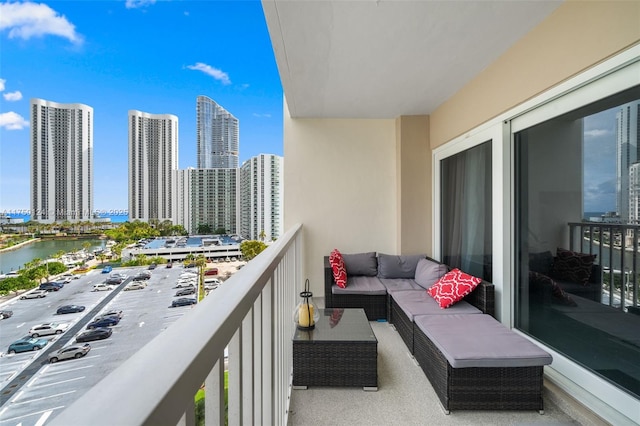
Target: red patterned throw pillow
{"points": [[452, 287], [339, 271]]}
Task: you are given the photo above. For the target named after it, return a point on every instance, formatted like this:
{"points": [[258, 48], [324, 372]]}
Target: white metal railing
{"points": [[251, 314]]}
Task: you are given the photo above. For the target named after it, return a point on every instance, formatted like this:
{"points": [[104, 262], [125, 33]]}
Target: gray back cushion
{"points": [[393, 266], [428, 272], [361, 264]]}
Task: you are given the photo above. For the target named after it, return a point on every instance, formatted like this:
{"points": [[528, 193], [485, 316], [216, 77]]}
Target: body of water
{"points": [[12, 260], [115, 216]]}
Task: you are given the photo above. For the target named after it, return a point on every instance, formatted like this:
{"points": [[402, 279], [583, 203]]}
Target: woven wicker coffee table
{"points": [[340, 351]]}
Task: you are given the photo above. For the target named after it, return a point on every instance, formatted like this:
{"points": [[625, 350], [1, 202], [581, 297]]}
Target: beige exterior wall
{"points": [[578, 35], [340, 183], [413, 163]]}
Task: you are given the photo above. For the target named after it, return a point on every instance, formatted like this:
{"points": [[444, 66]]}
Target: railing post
{"points": [[234, 399], [214, 405], [248, 361]]}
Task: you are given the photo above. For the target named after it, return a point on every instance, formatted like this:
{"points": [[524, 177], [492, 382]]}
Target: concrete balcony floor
{"points": [[405, 397]]}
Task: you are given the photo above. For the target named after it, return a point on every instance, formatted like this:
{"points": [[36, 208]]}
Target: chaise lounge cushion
{"points": [[361, 264], [360, 284], [418, 302], [428, 272], [394, 266], [480, 341]]}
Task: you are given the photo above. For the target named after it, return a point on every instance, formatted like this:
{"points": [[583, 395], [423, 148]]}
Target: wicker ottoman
{"points": [[475, 363], [341, 351]]}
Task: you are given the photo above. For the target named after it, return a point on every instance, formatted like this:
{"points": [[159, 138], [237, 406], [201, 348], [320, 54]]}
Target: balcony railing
{"points": [[617, 248], [251, 315]]}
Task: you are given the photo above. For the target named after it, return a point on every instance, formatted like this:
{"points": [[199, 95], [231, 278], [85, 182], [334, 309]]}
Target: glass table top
{"points": [[338, 324]]}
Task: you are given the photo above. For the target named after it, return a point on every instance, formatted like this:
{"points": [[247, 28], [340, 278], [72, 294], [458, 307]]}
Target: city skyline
{"points": [[118, 56]]}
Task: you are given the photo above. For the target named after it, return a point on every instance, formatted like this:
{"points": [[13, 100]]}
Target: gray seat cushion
{"points": [[399, 284], [480, 341], [361, 285], [419, 302]]}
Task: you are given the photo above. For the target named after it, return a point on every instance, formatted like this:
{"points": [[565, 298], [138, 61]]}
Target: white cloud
{"points": [[12, 96], [2, 82], [597, 133], [26, 20], [12, 121], [262, 115], [219, 75], [137, 4]]}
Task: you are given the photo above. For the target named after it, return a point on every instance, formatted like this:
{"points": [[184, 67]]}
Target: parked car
{"points": [[212, 271], [107, 269], [34, 294], [27, 344], [169, 265], [112, 313], [65, 280], [210, 286], [51, 286], [114, 281], [185, 291], [152, 266], [104, 321], [141, 277], [184, 285], [70, 352], [183, 301], [69, 309], [134, 286], [102, 287], [4, 314], [119, 275], [48, 328], [94, 334]]}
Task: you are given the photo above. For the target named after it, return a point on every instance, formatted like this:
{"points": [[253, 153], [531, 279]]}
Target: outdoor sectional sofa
{"points": [[472, 361]]}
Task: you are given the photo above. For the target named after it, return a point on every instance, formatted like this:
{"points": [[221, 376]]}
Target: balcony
{"points": [[251, 316]]}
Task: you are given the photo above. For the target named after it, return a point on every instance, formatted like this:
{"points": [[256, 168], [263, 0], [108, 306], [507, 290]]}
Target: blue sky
{"points": [[147, 55]]}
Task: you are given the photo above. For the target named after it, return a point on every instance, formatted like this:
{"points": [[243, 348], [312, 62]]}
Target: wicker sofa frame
{"points": [[474, 388], [375, 306], [479, 388]]}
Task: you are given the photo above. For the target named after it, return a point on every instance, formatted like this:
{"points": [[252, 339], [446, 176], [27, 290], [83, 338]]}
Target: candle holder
{"points": [[306, 314]]}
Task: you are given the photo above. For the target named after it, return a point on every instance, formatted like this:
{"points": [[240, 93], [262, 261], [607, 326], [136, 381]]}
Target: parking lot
{"points": [[32, 390]]}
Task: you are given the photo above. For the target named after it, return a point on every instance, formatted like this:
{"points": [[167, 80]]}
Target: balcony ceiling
{"points": [[387, 58]]}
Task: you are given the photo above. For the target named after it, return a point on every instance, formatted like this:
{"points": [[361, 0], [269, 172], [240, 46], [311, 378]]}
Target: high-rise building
{"points": [[217, 136], [153, 160], [61, 161], [634, 194], [261, 196], [208, 200], [627, 146]]}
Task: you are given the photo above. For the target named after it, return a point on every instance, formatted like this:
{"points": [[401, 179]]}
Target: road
{"points": [[34, 391]]}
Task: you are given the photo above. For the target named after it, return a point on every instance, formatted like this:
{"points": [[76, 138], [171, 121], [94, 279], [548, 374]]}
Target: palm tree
{"points": [[201, 262], [262, 235]]}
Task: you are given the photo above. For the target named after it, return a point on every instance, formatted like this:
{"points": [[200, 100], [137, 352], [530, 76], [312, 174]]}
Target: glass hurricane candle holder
{"points": [[306, 313]]}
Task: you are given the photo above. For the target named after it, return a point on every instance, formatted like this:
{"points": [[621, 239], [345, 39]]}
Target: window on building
{"points": [[466, 229]]}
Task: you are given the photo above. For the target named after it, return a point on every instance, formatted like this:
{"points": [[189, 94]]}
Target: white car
{"points": [[119, 275], [136, 285], [102, 287], [183, 285], [48, 328], [35, 294]]}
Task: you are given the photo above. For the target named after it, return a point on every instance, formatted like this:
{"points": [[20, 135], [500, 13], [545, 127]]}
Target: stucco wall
{"points": [[578, 35], [340, 183]]}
